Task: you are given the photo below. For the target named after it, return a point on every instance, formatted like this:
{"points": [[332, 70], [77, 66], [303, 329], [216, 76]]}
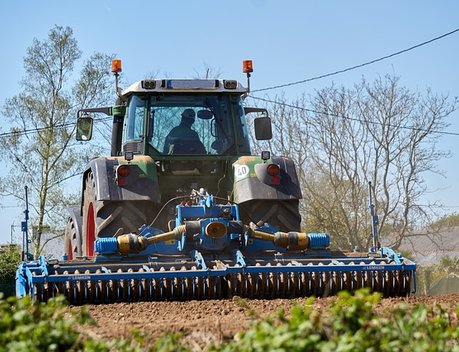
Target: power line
{"points": [[352, 118], [358, 66], [7, 134], [40, 129], [33, 130]]}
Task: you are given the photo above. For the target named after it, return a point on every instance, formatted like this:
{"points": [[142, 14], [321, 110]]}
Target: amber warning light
{"points": [[247, 66], [116, 65]]}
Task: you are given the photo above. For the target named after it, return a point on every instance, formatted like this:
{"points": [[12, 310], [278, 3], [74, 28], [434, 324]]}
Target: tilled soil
{"points": [[212, 321]]}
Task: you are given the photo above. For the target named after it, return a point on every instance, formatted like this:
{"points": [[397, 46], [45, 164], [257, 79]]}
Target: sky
{"points": [[287, 40]]}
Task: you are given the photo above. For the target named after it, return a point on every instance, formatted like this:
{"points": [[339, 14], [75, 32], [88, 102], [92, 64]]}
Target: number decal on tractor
{"points": [[241, 171]]}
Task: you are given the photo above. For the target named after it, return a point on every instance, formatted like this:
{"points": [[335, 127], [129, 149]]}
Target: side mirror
{"points": [[205, 114], [84, 128], [263, 128]]}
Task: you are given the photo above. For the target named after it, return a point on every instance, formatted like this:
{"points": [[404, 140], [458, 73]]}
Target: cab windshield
{"points": [[187, 124]]}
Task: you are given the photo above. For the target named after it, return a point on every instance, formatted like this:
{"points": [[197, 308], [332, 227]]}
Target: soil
{"points": [[212, 321]]}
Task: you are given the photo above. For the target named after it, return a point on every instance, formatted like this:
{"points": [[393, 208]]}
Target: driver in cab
{"points": [[182, 139]]}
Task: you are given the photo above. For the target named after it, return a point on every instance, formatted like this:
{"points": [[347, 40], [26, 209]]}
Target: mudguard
{"points": [[143, 183], [74, 213], [252, 182]]}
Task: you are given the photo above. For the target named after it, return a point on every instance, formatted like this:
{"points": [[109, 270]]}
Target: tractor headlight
{"points": [[148, 84], [230, 84]]}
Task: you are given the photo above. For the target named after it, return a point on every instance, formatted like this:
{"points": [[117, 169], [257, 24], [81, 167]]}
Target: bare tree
{"points": [[382, 133], [40, 148], [379, 132], [207, 72]]}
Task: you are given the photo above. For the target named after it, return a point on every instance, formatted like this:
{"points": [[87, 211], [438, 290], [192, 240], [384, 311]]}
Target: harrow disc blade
{"points": [[91, 283]]}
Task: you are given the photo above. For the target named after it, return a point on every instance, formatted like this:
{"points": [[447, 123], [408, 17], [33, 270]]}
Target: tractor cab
{"points": [[184, 118], [170, 118]]}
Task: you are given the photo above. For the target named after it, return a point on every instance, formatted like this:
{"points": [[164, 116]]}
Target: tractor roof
{"points": [[185, 86]]}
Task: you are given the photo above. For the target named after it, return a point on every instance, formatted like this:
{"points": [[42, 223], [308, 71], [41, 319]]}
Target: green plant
{"points": [[351, 323], [28, 325], [169, 343], [142, 342], [446, 222], [9, 260]]}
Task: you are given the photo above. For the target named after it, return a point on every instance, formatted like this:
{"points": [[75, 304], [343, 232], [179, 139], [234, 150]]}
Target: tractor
{"points": [[182, 209]]}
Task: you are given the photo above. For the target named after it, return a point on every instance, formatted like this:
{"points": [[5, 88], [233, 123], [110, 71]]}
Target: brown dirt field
{"points": [[212, 321]]}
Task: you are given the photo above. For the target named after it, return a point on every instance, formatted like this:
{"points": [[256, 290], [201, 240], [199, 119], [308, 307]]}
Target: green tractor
{"points": [[151, 170]]}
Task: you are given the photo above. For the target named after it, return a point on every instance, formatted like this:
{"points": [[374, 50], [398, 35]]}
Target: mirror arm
{"points": [[249, 110], [104, 110]]}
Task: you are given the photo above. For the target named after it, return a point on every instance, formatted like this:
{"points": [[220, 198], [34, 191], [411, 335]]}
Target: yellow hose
{"points": [[131, 243], [292, 240], [175, 234]]}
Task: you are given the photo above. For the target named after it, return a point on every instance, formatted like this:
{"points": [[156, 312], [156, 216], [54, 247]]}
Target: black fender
{"points": [[75, 214], [253, 183], [144, 186]]}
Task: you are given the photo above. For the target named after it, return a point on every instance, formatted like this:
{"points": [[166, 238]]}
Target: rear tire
{"points": [[89, 215], [106, 218], [282, 214], [70, 249], [72, 237]]}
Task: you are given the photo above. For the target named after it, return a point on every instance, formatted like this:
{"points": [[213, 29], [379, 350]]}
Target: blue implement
{"points": [[211, 254]]}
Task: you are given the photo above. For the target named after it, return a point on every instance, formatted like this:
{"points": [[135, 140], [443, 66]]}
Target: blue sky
{"points": [[287, 40]]}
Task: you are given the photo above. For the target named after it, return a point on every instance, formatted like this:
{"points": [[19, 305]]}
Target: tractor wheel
{"points": [[106, 218], [72, 247], [282, 214], [89, 216], [72, 237]]}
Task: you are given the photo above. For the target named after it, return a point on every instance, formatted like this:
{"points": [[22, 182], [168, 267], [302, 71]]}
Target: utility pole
{"points": [[25, 229], [12, 233]]}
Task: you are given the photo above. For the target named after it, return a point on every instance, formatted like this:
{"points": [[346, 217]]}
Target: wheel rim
{"points": [[69, 250], [90, 231]]}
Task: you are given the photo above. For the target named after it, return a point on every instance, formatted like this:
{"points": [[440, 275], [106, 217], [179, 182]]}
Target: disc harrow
{"points": [[87, 282], [210, 254]]}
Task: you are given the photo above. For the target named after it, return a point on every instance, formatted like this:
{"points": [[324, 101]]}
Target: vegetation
{"points": [[351, 323], [449, 266], [446, 222], [30, 326], [33, 326], [9, 260]]}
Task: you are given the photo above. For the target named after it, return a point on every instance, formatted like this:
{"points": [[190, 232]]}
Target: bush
{"points": [[9, 260], [28, 325], [351, 324]]}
